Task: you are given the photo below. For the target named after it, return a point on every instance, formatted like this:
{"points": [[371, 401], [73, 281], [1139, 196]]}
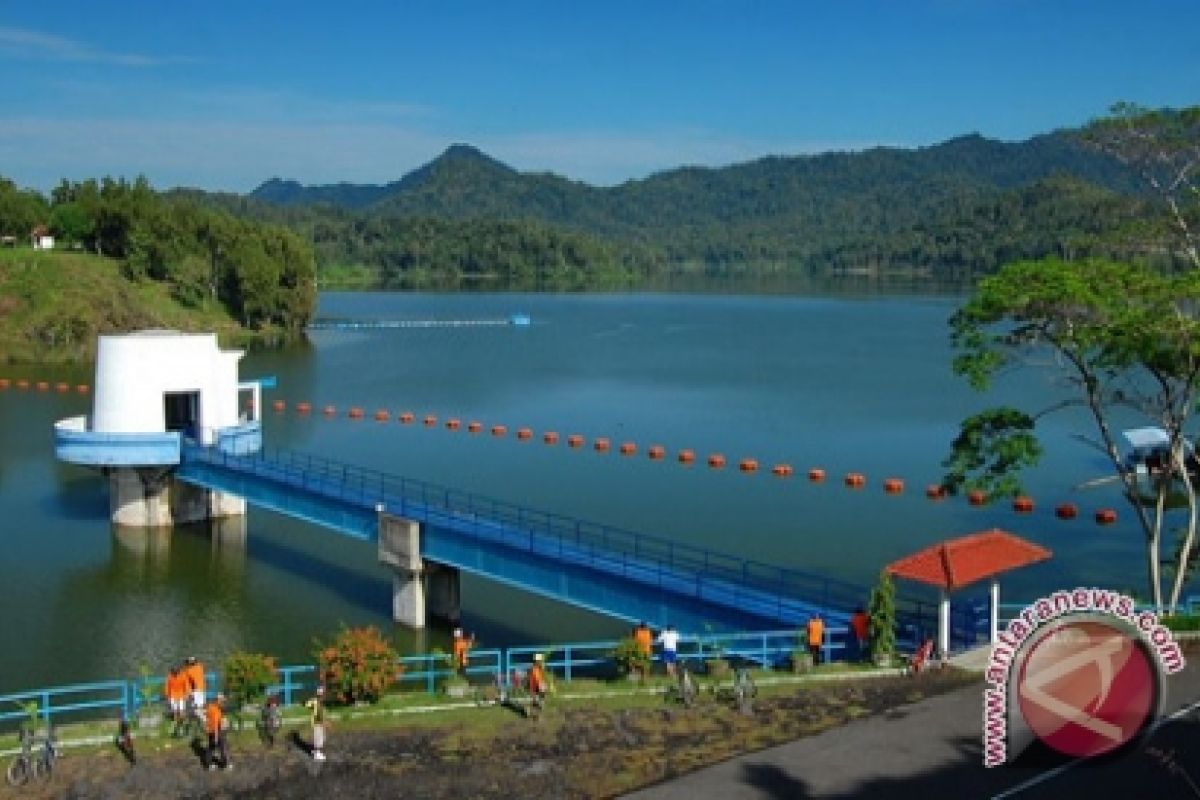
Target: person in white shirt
{"points": [[669, 639]]}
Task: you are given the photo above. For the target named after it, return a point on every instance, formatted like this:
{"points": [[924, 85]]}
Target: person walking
{"points": [[214, 726], [860, 625], [462, 650], [177, 688], [194, 672], [537, 685], [317, 708], [816, 637], [668, 637]]}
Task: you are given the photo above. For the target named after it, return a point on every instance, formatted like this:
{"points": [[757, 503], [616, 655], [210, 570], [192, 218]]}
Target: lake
{"points": [[844, 383]]}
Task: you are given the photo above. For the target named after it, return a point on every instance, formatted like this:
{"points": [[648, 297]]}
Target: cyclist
{"points": [[272, 719], [816, 636], [860, 624], [214, 726]]}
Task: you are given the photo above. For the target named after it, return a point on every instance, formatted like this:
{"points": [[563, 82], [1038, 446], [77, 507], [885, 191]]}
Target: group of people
{"points": [[860, 630], [668, 639]]}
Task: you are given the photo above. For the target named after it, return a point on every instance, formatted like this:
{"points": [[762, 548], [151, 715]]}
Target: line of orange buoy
{"points": [[1021, 504]]}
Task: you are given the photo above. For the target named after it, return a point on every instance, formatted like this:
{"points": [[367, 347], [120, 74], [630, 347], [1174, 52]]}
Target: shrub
{"points": [[629, 657], [247, 676], [1182, 622], [359, 664], [882, 614]]}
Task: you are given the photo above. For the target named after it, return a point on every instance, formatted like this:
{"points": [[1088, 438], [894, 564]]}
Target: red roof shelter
{"points": [[960, 562]]}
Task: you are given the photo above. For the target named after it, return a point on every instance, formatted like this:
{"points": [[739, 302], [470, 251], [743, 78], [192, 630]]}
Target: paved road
{"points": [[933, 750]]}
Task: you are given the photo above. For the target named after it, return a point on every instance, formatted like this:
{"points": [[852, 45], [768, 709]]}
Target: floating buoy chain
{"points": [[1022, 504]]}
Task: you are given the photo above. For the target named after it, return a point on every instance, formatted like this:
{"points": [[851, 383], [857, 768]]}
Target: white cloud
{"points": [[26, 44]]}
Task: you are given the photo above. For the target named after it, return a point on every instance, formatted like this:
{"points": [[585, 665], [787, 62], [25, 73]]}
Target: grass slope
{"points": [[53, 304]]}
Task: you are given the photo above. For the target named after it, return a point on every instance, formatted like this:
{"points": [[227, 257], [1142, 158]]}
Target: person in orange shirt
{"points": [[644, 640], [816, 636], [462, 650], [177, 691], [195, 677], [214, 726], [537, 685]]}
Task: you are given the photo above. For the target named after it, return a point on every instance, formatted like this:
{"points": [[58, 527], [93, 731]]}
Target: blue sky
{"points": [[224, 95]]}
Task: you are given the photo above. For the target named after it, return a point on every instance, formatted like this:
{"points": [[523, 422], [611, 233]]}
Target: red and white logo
{"points": [[1087, 686]]}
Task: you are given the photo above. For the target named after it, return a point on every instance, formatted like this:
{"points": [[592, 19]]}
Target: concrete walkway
{"points": [[933, 749]]}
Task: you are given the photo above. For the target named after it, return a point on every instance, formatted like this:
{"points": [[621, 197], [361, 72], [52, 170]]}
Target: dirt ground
{"points": [[574, 751]]}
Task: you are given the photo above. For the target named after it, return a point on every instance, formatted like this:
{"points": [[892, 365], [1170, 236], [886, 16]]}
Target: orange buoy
{"points": [[1022, 504], [4, 383], [62, 387], [1106, 516], [43, 386], [977, 497], [628, 448], [430, 420], [82, 388], [893, 486], [406, 417], [22, 383], [856, 480], [687, 456], [382, 415], [452, 424], [656, 452], [524, 434], [935, 491], [748, 465], [1066, 511], [816, 474], [474, 427], [575, 440], [356, 413], [499, 430], [782, 470], [279, 405], [303, 408], [601, 445], [716, 461], [329, 411], [550, 437]]}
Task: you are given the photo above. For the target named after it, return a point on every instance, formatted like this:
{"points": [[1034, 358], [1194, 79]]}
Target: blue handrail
{"points": [[542, 532]]}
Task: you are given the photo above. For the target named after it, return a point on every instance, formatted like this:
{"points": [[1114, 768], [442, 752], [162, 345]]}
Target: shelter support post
{"points": [[944, 624], [994, 610], [151, 497]]}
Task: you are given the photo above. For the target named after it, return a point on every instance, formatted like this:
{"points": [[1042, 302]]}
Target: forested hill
{"points": [[959, 208]]}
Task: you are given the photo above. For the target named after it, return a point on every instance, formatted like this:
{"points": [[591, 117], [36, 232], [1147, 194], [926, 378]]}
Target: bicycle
{"points": [[124, 740], [189, 725], [271, 720], [744, 690], [26, 765], [684, 689]]}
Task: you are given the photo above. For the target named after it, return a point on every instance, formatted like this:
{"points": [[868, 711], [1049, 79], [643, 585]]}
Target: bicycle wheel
{"points": [[18, 771], [687, 690], [42, 767]]}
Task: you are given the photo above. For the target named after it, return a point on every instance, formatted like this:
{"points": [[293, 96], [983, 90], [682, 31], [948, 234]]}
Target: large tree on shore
{"points": [[1125, 336]]}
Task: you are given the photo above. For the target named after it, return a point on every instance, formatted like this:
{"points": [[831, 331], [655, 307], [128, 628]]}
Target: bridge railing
{"points": [[657, 558]]}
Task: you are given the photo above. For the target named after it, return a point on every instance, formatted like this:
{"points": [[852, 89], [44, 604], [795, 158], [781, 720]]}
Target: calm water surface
{"points": [[843, 383]]}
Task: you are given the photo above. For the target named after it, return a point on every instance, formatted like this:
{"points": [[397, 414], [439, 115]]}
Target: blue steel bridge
{"points": [[619, 573]]}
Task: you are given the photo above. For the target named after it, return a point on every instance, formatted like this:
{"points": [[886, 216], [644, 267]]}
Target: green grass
{"points": [[53, 304]]}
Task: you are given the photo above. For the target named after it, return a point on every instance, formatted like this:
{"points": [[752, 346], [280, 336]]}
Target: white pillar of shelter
{"points": [[944, 624], [994, 614], [419, 588]]}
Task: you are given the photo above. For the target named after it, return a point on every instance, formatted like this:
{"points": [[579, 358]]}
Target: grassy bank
{"points": [[53, 304]]}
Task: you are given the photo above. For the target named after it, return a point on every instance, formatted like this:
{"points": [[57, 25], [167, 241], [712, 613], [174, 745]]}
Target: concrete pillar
{"points": [[150, 497], [408, 598], [442, 592], [400, 548]]}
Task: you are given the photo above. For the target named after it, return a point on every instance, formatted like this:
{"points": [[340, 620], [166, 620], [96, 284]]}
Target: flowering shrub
{"points": [[247, 676], [359, 664]]}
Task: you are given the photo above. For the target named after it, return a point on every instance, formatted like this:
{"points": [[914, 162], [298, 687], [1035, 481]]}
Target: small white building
{"points": [[152, 390], [41, 239]]}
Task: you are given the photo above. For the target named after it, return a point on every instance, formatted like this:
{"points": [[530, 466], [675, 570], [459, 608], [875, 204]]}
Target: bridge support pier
{"points": [[419, 588], [150, 497]]}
